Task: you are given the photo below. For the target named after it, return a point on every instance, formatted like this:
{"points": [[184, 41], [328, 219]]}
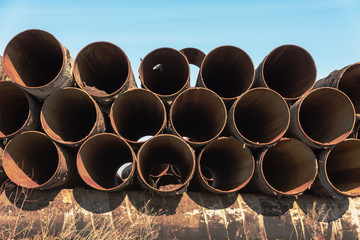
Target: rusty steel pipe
{"points": [[289, 70], [194, 56], [225, 165], [36, 61], [346, 80], [166, 149], [138, 113], [100, 159], [19, 111], [287, 168], [165, 72], [3, 176], [70, 116], [103, 70], [32, 160], [228, 71], [198, 115], [322, 118], [259, 117]]}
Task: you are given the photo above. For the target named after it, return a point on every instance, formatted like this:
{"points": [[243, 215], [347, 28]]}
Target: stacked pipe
{"points": [[267, 129]]}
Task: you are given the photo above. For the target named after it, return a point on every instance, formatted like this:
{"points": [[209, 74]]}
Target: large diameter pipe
{"points": [[166, 72], [289, 70], [19, 111], [138, 114], [166, 149], [36, 61], [194, 56], [106, 162], [70, 116], [346, 80], [259, 117], [3, 176], [225, 165], [103, 70], [198, 115], [228, 71], [32, 160], [339, 170], [287, 168], [322, 118]]}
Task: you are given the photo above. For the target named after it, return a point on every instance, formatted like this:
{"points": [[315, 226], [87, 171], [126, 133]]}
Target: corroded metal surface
{"points": [[194, 56]]}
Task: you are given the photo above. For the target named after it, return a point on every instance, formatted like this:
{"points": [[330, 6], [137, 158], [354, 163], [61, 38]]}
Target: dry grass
{"points": [[315, 215]]}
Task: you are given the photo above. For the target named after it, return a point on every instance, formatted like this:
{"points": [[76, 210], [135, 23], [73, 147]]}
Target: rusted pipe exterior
{"points": [[198, 115], [289, 70], [19, 111], [33, 160], [346, 80], [70, 116], [36, 61], [166, 149], [138, 113], [100, 158], [228, 163], [259, 117], [194, 56], [103, 70], [322, 118], [228, 71], [165, 72], [285, 169]]}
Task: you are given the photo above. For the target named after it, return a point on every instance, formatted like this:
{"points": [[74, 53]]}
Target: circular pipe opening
{"points": [[101, 68], [33, 58], [31, 159], [289, 167], [228, 71], [289, 70], [261, 116], [349, 83]]}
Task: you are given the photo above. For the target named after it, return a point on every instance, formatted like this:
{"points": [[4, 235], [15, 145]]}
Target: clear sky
{"points": [[328, 29]]}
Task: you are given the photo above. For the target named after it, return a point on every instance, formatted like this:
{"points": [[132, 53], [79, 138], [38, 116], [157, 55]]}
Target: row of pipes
{"points": [[271, 129]]}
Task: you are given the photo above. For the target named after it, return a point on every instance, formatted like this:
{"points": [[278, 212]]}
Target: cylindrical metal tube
{"points": [[259, 117], [35, 60], [3, 176], [289, 70], [170, 150], [19, 111], [138, 114], [322, 118], [70, 116], [347, 81], [198, 115], [103, 70], [225, 165], [32, 160], [228, 71], [1, 69], [287, 168], [194, 56], [106, 162], [166, 72], [339, 169]]}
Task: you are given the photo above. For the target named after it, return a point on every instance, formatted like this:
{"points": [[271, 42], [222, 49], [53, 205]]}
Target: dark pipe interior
{"points": [[102, 66], [261, 116], [350, 85], [289, 166], [33, 58], [14, 108], [228, 71], [290, 71], [168, 182], [70, 114], [326, 116]]}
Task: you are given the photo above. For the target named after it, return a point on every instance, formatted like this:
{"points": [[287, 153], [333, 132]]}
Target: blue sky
{"points": [[328, 29]]}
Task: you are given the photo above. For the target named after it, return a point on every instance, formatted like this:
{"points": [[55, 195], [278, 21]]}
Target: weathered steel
{"points": [[100, 158], [103, 70], [36, 61], [194, 56], [322, 118], [32, 160], [259, 117], [289, 70], [136, 114], [198, 115], [70, 116]]}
